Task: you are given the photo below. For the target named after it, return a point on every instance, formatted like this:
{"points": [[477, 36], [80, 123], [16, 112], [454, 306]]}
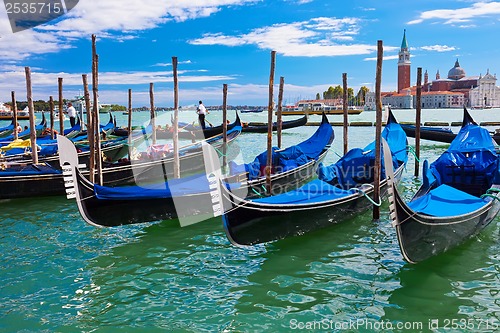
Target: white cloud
{"points": [[460, 15], [432, 48], [167, 64], [45, 84], [391, 57], [438, 48], [124, 19], [313, 38]]}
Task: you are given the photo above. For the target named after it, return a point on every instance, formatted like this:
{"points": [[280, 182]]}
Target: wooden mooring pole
{"points": [[279, 118], [14, 114], [378, 131], [34, 151], [51, 107], [86, 97], [346, 112], [129, 123], [269, 164], [418, 119], [177, 167], [95, 109], [61, 106], [152, 113], [224, 125]]}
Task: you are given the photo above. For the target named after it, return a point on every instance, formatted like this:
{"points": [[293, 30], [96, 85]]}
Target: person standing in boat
{"points": [[71, 114], [201, 111]]}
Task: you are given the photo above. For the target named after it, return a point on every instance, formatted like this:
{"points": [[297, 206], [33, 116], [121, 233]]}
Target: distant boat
{"points": [[79, 104], [6, 113], [104, 108], [327, 110], [262, 128], [255, 110]]}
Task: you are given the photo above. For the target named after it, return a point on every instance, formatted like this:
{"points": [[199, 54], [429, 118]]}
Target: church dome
{"points": [[456, 72]]}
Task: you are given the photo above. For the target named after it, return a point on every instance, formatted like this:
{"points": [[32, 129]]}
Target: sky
{"points": [[229, 42]]}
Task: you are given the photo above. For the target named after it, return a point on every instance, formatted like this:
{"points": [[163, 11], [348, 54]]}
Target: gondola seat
{"points": [[444, 199]]}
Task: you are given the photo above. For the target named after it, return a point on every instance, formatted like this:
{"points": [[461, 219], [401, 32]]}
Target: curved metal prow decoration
{"points": [[389, 174], [68, 160]]}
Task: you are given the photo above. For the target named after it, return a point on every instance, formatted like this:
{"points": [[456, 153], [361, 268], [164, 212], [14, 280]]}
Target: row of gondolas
{"points": [[459, 196]]}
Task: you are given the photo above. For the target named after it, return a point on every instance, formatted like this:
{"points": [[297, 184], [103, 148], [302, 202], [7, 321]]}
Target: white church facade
{"points": [[486, 94]]}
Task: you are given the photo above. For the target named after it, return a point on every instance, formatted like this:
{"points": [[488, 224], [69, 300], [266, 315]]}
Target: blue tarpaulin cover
{"points": [[289, 158], [314, 191], [470, 164], [28, 170], [356, 167], [320, 190], [175, 187], [445, 201], [470, 159]]}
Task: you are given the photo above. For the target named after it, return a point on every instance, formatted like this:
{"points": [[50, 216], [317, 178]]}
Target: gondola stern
{"points": [[43, 122], [237, 122], [467, 120], [391, 119], [324, 118]]}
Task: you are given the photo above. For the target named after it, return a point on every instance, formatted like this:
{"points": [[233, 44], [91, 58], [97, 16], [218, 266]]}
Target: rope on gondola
{"points": [[490, 196], [256, 192], [412, 150], [378, 204], [220, 152]]}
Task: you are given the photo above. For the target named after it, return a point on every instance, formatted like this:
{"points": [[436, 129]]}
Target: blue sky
{"points": [[230, 41]]}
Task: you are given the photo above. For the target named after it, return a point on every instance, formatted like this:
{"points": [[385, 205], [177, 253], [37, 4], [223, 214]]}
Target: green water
{"points": [[59, 274]]}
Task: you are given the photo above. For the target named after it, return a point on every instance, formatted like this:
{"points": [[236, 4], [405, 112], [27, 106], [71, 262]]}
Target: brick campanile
{"points": [[404, 65]]}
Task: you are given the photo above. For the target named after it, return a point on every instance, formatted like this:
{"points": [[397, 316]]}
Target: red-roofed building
{"points": [[454, 91]]}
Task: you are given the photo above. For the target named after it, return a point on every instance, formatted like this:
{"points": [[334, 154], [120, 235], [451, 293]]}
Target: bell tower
{"points": [[404, 65]]}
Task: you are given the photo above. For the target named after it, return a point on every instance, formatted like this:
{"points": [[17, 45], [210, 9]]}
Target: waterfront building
{"points": [[404, 65], [454, 91], [486, 94]]}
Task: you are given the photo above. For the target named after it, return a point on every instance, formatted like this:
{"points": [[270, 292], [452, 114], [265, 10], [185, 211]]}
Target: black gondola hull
{"points": [[285, 125], [250, 223], [123, 173], [437, 135], [197, 134], [421, 236], [430, 134]]}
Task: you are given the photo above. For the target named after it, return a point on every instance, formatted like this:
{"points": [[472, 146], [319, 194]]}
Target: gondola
{"points": [[7, 130], [111, 206], [438, 134], [189, 132], [112, 148], [341, 191], [25, 133], [430, 133], [21, 180], [458, 198], [252, 128]]}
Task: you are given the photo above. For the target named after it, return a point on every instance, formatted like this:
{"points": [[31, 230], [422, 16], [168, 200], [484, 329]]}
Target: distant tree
{"points": [[318, 96], [333, 92], [361, 96], [117, 107]]}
